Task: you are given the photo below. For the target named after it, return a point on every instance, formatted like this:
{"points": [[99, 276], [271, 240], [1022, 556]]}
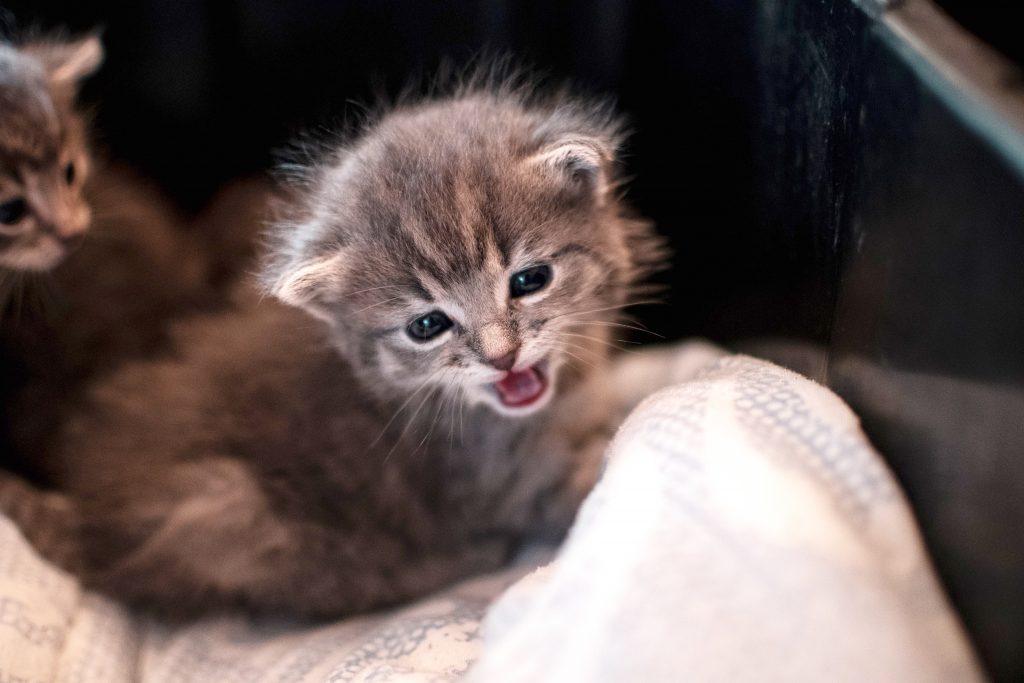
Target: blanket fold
{"points": [[743, 529]]}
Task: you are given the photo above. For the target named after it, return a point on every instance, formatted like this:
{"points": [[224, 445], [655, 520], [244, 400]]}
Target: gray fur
{"points": [[323, 466]]}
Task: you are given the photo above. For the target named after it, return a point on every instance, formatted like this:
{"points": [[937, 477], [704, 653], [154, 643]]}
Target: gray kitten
{"points": [[466, 259]]}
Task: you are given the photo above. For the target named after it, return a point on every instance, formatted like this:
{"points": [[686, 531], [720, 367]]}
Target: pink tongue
{"points": [[520, 388]]}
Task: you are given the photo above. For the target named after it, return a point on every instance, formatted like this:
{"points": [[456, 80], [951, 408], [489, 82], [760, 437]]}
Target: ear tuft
{"points": [[583, 161], [68, 62]]}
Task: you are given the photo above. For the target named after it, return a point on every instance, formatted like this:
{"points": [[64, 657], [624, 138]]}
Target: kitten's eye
{"points": [[12, 211], [529, 281], [428, 326], [69, 173]]}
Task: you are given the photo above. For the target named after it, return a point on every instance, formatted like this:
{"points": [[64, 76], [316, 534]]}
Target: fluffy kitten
{"points": [[67, 316], [43, 155], [466, 258]]}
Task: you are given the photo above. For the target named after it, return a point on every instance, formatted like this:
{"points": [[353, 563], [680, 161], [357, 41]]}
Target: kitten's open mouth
{"points": [[522, 388]]}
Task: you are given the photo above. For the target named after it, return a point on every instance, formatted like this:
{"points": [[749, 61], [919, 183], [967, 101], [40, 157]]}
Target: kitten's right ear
{"points": [[582, 161], [68, 62]]}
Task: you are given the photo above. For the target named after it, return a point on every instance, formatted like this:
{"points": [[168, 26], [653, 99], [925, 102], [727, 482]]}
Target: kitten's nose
{"points": [[71, 230], [506, 361]]}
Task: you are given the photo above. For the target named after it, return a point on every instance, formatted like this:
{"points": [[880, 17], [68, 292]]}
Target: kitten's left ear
{"points": [[310, 284], [582, 161], [68, 62]]}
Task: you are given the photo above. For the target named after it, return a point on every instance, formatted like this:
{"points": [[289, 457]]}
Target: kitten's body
{"points": [[282, 464], [260, 473]]}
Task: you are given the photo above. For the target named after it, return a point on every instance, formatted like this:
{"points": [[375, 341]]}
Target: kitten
{"points": [[465, 258], [43, 155], [67, 316]]}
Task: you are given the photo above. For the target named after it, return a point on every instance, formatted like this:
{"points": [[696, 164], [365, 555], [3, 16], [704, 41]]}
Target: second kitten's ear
{"points": [[68, 62], [582, 161]]}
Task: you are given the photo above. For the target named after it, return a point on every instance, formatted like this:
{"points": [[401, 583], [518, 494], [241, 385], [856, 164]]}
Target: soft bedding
{"points": [[744, 529]]}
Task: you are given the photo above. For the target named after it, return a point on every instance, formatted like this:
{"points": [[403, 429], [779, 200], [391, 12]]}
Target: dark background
{"points": [[196, 92], [815, 189]]}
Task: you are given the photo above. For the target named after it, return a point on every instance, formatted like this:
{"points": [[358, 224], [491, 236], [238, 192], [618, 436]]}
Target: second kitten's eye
{"points": [[428, 326], [12, 211], [529, 281], [69, 173]]}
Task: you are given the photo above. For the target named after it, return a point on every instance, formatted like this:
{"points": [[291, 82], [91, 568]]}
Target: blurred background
{"points": [[837, 197], [196, 92]]}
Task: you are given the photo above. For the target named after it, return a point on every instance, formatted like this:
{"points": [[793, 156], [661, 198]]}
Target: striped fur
{"points": [[280, 464], [435, 207]]}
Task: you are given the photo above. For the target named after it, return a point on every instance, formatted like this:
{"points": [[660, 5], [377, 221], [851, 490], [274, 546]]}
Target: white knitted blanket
{"points": [[744, 529]]}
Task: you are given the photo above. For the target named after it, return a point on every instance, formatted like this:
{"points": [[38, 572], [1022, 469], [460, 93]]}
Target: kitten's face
{"points": [[43, 156], [464, 248]]}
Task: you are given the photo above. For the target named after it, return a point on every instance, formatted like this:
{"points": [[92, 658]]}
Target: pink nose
{"points": [[504, 362]]}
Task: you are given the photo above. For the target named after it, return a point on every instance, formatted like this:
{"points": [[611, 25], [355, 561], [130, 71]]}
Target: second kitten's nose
{"points": [[72, 242], [504, 362]]}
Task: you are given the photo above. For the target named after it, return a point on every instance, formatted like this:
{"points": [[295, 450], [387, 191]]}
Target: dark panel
{"points": [[904, 211], [198, 91], [811, 66], [929, 342]]}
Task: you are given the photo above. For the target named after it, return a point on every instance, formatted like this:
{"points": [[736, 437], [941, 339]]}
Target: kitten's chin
{"points": [[522, 392], [38, 259]]}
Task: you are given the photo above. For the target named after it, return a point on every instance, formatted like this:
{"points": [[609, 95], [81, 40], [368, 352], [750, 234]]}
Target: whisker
{"points": [[372, 289], [600, 310], [576, 345], [609, 323], [408, 424], [379, 303], [400, 409], [440, 404], [573, 355], [451, 418], [597, 339], [462, 423], [597, 353], [630, 318], [437, 413]]}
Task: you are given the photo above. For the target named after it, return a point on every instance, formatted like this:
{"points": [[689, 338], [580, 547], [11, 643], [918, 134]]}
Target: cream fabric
{"points": [[744, 530]]}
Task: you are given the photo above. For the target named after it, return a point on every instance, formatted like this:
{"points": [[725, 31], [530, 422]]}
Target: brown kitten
{"points": [[66, 317], [43, 155], [466, 258]]}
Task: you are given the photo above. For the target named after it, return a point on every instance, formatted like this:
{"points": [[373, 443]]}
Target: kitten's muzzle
{"points": [[504, 362]]}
